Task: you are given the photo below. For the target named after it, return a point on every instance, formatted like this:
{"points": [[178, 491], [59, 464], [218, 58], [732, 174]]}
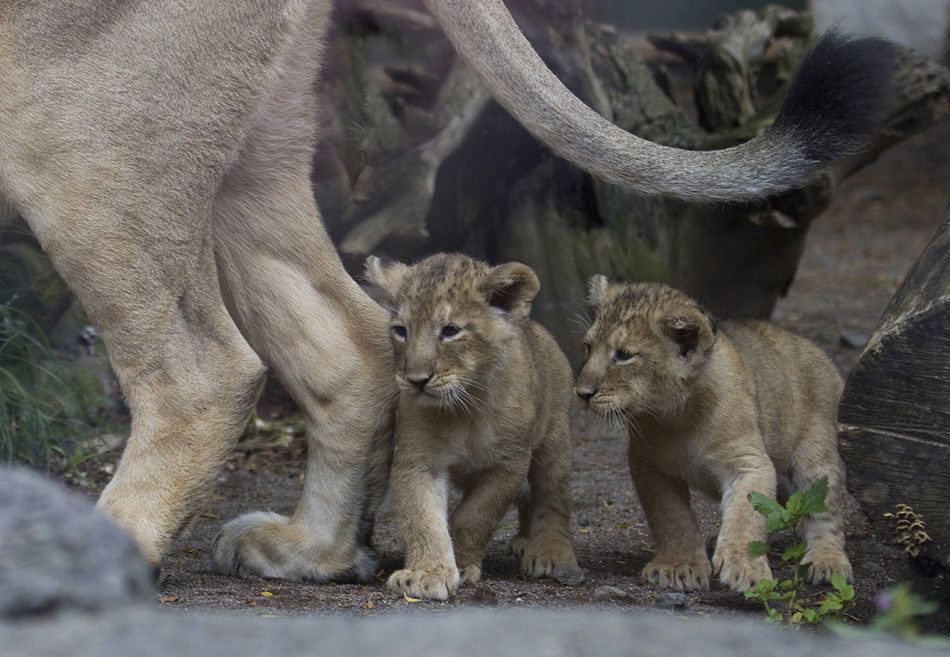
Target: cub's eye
{"points": [[622, 356], [400, 331], [449, 331], [586, 350]]}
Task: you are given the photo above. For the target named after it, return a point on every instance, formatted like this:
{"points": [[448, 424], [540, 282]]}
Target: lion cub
{"points": [[484, 399], [727, 408]]}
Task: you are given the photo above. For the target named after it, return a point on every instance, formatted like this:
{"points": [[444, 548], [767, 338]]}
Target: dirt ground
{"points": [[857, 254]]}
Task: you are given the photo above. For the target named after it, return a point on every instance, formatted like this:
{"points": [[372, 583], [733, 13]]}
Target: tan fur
{"points": [[484, 403], [160, 151], [726, 409]]}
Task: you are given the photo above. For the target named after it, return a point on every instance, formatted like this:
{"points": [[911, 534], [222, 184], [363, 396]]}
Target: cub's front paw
{"points": [[551, 560], [518, 546], [739, 572], [693, 575], [433, 584], [824, 563], [470, 574]]}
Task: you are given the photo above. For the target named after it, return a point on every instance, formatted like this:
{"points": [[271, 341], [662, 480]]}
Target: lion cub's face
{"points": [[644, 349], [452, 322]]}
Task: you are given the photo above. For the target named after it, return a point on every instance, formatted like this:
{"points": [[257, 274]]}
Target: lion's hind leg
{"points": [[189, 377], [327, 341]]}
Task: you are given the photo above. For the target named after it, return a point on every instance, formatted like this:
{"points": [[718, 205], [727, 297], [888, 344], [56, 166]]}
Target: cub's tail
{"points": [[840, 95]]}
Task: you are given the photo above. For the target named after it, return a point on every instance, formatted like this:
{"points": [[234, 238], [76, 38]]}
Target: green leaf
{"points": [[793, 508], [764, 586], [764, 504], [756, 549], [829, 606], [846, 593], [795, 551], [775, 524], [813, 500], [810, 615]]}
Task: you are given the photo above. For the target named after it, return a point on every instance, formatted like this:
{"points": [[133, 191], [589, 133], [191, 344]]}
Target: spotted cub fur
{"points": [[484, 399], [723, 407]]}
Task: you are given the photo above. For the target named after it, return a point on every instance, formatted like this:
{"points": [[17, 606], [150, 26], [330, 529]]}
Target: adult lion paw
{"points": [[690, 576], [435, 584], [824, 563], [266, 544], [739, 572]]}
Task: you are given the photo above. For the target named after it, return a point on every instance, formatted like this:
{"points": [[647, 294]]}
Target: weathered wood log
{"points": [[895, 413], [468, 178]]}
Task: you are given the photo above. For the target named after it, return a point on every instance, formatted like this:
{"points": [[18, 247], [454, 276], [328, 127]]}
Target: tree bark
{"points": [[895, 420]]}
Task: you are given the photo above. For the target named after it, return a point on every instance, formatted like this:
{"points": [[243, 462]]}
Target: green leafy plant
{"points": [[785, 604], [899, 611]]}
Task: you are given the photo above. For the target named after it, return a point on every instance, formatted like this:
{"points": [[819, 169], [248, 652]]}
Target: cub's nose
{"points": [[585, 394], [419, 380]]}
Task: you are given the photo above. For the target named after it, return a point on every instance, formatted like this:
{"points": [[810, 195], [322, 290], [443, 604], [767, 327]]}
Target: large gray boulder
{"points": [[58, 553]]}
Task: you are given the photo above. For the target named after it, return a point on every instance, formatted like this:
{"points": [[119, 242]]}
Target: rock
{"points": [[611, 592], [57, 552], [853, 340], [671, 600], [568, 575], [147, 632], [484, 596]]}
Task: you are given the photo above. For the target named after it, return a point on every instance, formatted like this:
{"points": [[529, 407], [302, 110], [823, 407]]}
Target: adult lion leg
{"points": [[188, 409], [329, 349], [189, 377], [292, 299]]}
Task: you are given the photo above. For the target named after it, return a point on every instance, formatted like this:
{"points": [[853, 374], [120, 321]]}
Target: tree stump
{"points": [[895, 413]]}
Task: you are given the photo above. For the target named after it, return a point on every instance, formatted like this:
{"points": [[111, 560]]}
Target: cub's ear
{"points": [[384, 279], [690, 329], [598, 290], [511, 287]]}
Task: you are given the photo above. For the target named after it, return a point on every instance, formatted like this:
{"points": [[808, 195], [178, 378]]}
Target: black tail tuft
{"points": [[841, 94]]}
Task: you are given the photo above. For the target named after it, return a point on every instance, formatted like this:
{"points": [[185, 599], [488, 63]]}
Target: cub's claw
{"points": [[424, 584], [470, 574], [740, 573], [518, 546], [824, 565], [691, 576], [557, 562]]}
